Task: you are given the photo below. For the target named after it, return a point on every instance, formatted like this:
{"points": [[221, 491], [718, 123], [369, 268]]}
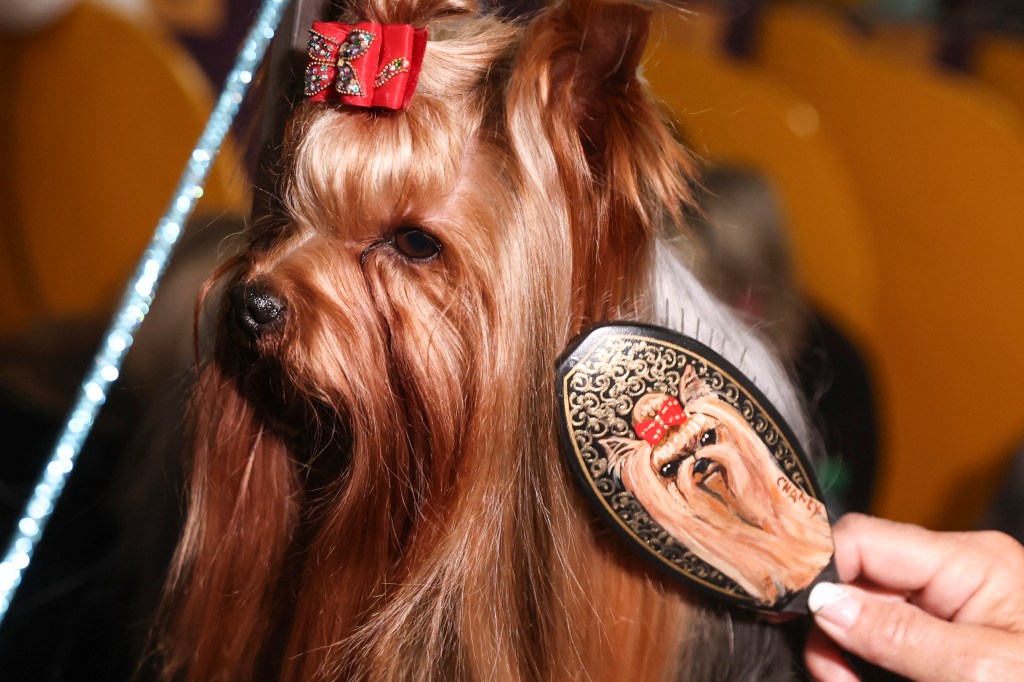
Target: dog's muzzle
{"points": [[254, 310]]}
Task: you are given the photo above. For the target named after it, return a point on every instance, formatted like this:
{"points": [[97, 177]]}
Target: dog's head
{"points": [[430, 263], [376, 489], [711, 482]]}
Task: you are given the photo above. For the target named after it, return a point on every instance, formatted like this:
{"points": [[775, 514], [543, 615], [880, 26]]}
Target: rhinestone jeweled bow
{"points": [[366, 64], [670, 414]]}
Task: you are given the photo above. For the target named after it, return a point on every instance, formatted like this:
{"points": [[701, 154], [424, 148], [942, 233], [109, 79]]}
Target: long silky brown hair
{"points": [[376, 490]]}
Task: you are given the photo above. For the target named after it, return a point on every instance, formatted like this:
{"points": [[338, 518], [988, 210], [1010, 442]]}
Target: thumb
{"points": [[902, 638]]}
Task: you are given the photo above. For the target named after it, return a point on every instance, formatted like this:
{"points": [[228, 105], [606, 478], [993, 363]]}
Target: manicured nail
{"points": [[834, 604]]}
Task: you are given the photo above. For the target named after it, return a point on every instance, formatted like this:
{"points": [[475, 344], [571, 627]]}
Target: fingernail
{"points": [[833, 603]]}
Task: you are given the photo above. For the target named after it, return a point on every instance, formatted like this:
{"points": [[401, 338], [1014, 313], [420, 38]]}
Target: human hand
{"points": [[925, 605]]}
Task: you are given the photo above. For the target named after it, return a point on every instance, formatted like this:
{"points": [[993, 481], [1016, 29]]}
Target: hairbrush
{"points": [[686, 459]]}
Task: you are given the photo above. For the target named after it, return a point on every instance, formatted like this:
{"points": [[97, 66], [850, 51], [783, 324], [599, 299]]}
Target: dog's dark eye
{"points": [[670, 468], [416, 244], [710, 437]]}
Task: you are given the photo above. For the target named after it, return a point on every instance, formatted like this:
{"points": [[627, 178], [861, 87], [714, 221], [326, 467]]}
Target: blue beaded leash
{"points": [[134, 306]]}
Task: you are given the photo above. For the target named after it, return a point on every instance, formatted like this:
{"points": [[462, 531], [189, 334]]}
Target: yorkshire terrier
{"points": [[376, 490]]}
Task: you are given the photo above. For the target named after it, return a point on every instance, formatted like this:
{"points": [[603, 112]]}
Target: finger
{"points": [[904, 639], [880, 592], [943, 570], [825, 660], [887, 552]]}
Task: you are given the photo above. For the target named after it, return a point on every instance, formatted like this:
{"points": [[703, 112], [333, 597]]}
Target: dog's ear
{"points": [[621, 167], [692, 386], [597, 66]]}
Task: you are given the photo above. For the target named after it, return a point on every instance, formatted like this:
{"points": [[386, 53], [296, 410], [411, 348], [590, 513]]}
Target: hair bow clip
{"points": [[364, 65], [670, 414]]}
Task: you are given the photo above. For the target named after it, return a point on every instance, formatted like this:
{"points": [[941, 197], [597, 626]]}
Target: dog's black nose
{"points": [[254, 309]]}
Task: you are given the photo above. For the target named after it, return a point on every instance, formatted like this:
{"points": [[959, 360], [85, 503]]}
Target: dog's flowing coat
{"points": [[376, 490]]}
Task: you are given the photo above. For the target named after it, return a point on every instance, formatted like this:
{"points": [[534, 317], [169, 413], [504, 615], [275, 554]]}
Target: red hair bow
{"points": [[669, 414], [366, 64]]}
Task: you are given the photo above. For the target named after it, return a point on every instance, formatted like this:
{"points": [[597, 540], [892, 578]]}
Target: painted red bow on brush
{"points": [[669, 414], [366, 64]]}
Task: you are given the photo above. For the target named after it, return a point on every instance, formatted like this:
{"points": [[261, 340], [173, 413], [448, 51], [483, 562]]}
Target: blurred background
{"points": [[862, 203]]}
